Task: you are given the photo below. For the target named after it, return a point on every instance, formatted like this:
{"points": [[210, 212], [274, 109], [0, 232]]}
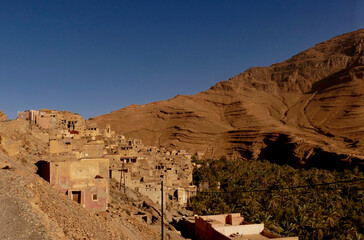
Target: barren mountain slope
{"points": [[313, 103]]}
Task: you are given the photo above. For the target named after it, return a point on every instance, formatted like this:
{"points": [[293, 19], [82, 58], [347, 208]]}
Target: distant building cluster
{"points": [[82, 160], [51, 119]]}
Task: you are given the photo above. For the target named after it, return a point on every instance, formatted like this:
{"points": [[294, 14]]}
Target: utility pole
{"points": [[121, 172], [162, 209], [124, 173]]}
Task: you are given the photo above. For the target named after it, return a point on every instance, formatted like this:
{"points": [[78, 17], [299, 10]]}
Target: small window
{"points": [[94, 197]]}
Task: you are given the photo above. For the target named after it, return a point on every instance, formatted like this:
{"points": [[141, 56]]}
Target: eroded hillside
{"points": [[312, 103]]}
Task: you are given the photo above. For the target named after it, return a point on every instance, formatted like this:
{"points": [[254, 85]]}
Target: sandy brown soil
{"points": [[313, 101]]}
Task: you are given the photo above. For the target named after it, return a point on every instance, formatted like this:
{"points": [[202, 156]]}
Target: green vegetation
{"points": [[254, 188]]}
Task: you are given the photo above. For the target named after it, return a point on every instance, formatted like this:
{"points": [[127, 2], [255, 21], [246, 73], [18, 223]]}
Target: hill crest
{"points": [[312, 100]]}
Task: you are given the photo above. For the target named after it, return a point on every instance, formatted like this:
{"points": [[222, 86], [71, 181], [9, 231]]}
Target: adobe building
{"points": [[85, 181], [80, 147], [91, 131], [48, 120], [108, 133], [60, 146], [77, 167], [94, 149], [52, 119], [144, 168], [224, 227], [28, 115], [182, 195]]}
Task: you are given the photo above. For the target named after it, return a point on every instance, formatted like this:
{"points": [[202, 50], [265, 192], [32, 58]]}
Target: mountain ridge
{"points": [[307, 98]]}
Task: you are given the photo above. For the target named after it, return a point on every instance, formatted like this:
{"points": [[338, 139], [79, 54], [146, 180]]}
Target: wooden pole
{"points": [[162, 209], [124, 173], [121, 172]]}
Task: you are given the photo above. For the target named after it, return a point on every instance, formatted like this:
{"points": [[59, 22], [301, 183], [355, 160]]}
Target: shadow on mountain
{"points": [[279, 149], [335, 79]]}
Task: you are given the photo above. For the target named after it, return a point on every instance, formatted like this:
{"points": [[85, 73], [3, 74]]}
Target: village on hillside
{"points": [[82, 160]]}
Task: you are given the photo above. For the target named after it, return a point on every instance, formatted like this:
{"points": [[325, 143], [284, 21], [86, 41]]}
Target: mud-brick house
{"points": [[85, 180], [231, 227], [224, 227]]}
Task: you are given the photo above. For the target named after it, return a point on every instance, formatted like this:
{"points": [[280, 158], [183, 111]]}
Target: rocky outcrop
{"points": [[315, 99], [2, 116]]}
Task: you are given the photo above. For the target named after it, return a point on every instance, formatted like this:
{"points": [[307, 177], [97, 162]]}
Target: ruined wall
{"points": [[23, 115], [93, 150], [59, 146], [47, 122], [153, 191]]}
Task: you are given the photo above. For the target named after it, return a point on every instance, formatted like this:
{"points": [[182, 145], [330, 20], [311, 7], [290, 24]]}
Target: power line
{"points": [[257, 190], [282, 188]]}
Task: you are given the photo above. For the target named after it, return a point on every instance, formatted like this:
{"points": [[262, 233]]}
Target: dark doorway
{"points": [[175, 194], [44, 170], [76, 196]]}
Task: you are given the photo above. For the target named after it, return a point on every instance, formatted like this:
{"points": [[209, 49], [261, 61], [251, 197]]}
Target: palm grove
{"points": [[311, 203]]}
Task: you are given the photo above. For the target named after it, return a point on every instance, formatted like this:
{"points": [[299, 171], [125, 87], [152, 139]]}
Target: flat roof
{"points": [[250, 237]]}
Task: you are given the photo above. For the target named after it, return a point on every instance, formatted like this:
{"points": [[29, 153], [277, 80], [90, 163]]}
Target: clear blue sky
{"points": [[93, 57]]}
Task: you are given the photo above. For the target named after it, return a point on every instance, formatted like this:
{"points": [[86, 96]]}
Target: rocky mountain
{"points": [[306, 110], [2, 116]]}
